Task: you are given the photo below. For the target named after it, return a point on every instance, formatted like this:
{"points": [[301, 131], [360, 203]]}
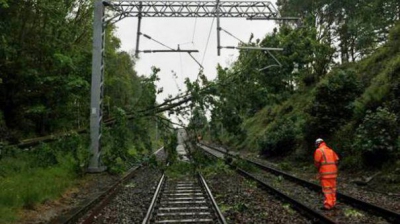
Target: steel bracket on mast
{"points": [[169, 51]]}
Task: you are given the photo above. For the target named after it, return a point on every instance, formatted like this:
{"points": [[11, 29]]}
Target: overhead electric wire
{"points": [[194, 29], [174, 77], [180, 59], [208, 39]]}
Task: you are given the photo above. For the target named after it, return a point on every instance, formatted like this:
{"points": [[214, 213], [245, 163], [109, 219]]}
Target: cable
{"points": [[180, 58], [175, 77], [194, 29], [208, 39]]}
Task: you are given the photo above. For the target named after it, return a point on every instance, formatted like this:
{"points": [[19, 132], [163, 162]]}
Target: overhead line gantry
{"points": [[252, 10]]}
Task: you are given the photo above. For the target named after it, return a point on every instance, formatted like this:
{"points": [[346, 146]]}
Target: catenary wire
{"points": [[208, 39]]}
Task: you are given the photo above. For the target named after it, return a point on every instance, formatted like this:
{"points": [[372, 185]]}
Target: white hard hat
{"points": [[318, 141]]}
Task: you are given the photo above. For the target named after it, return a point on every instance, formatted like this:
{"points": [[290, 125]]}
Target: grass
{"points": [[22, 186]]}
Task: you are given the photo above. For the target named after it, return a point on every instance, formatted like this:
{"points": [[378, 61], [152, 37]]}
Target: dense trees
{"points": [[45, 69], [45, 75], [337, 78], [356, 28], [44, 66]]}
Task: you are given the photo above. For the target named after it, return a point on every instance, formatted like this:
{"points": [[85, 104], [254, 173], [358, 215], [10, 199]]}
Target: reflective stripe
{"points": [[323, 154], [328, 173], [328, 163]]}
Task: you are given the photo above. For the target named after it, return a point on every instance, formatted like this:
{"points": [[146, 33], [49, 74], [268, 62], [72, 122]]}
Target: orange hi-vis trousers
{"points": [[329, 190]]}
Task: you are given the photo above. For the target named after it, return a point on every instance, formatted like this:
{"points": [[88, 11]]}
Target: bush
{"points": [[377, 136], [117, 152], [180, 169], [333, 103], [279, 139], [217, 167]]}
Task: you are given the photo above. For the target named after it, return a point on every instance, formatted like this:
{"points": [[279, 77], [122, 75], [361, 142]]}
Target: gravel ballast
{"points": [[132, 201], [241, 201]]}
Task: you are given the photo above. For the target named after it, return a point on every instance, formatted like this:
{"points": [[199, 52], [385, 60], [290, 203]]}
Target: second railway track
{"points": [[289, 187]]}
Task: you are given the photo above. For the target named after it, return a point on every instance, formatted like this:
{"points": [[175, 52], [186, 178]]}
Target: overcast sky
{"points": [[189, 33]]}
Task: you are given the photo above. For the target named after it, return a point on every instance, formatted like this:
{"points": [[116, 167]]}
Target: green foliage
{"points": [[69, 152], [394, 39], [198, 121], [356, 28], [217, 167], [170, 144], [46, 88], [179, 169], [383, 88], [125, 143], [352, 213], [261, 79], [244, 165], [3, 3], [376, 138], [28, 178], [279, 138], [31, 187], [45, 73], [333, 102], [285, 166], [203, 160]]}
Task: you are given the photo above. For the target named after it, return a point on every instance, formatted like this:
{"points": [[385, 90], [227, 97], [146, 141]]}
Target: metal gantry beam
{"points": [[245, 9]]}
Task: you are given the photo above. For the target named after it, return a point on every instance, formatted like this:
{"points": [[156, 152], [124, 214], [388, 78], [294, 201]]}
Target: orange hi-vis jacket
{"points": [[325, 159]]}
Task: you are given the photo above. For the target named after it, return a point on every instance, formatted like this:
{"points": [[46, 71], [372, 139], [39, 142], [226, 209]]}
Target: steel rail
{"points": [[300, 207], [208, 191], [103, 198], [153, 201], [387, 214], [202, 199], [374, 209]]}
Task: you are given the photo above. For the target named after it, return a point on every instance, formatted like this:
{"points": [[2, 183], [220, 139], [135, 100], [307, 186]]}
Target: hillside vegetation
{"points": [[355, 108], [337, 78]]}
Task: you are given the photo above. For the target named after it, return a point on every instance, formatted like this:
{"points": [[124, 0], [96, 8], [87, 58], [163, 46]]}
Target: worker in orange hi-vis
{"points": [[326, 160]]}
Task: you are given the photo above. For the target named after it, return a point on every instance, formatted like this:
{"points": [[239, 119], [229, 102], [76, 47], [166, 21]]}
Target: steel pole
{"points": [[218, 29], [97, 86], [138, 31]]}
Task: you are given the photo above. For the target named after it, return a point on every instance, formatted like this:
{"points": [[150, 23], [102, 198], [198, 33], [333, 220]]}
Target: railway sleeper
{"points": [[183, 201]]}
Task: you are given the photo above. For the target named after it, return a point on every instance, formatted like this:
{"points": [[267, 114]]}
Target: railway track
{"points": [[89, 209], [289, 187], [183, 200]]}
